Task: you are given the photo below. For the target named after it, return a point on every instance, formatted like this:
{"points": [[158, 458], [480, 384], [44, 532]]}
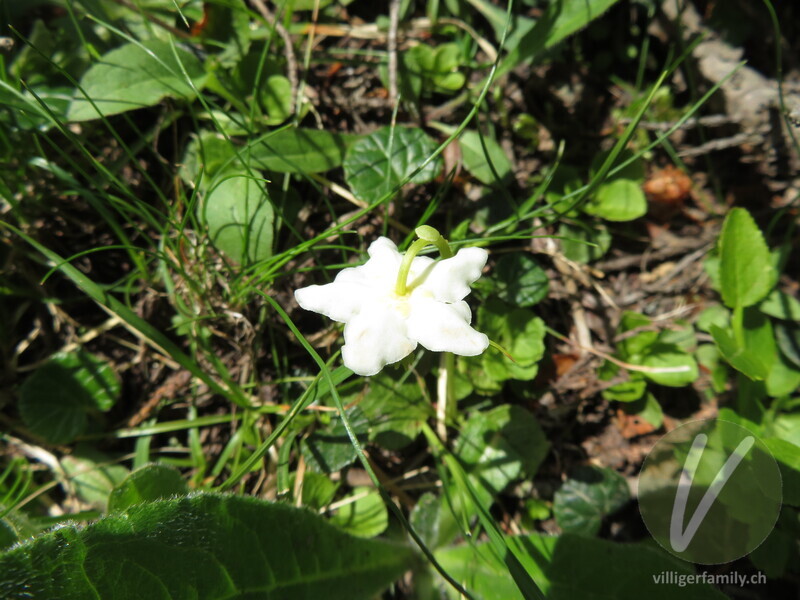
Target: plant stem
{"points": [[405, 266], [445, 397]]}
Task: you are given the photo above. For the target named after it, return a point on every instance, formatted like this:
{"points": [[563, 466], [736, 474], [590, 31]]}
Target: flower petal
{"points": [[353, 287], [381, 269], [444, 327], [375, 338], [448, 280], [340, 300]]}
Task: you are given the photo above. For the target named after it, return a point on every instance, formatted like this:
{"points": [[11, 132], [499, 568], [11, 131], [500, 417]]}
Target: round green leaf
{"points": [[517, 330], [520, 280], [588, 496], [380, 162], [58, 396], [499, 445], [618, 200], [366, 516], [204, 546], [151, 482], [240, 218]]}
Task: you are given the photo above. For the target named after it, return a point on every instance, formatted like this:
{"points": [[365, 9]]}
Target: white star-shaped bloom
{"points": [[382, 327]]}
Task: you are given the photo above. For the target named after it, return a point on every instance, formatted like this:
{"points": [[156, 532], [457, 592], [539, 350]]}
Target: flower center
{"points": [[427, 236]]}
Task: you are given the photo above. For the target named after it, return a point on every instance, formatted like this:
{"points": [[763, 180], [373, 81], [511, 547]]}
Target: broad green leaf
{"points": [[668, 357], [93, 475], [58, 397], [480, 162], [739, 358], [151, 482], [240, 218], [520, 280], [500, 445], [380, 162], [203, 546], [135, 76], [570, 566], [618, 200], [781, 306], [366, 516], [298, 150], [587, 497], [746, 271]]}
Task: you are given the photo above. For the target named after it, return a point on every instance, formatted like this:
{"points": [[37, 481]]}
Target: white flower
{"points": [[382, 327]]}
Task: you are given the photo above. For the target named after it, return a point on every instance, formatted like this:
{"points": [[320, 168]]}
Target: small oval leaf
{"points": [[745, 267]]}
